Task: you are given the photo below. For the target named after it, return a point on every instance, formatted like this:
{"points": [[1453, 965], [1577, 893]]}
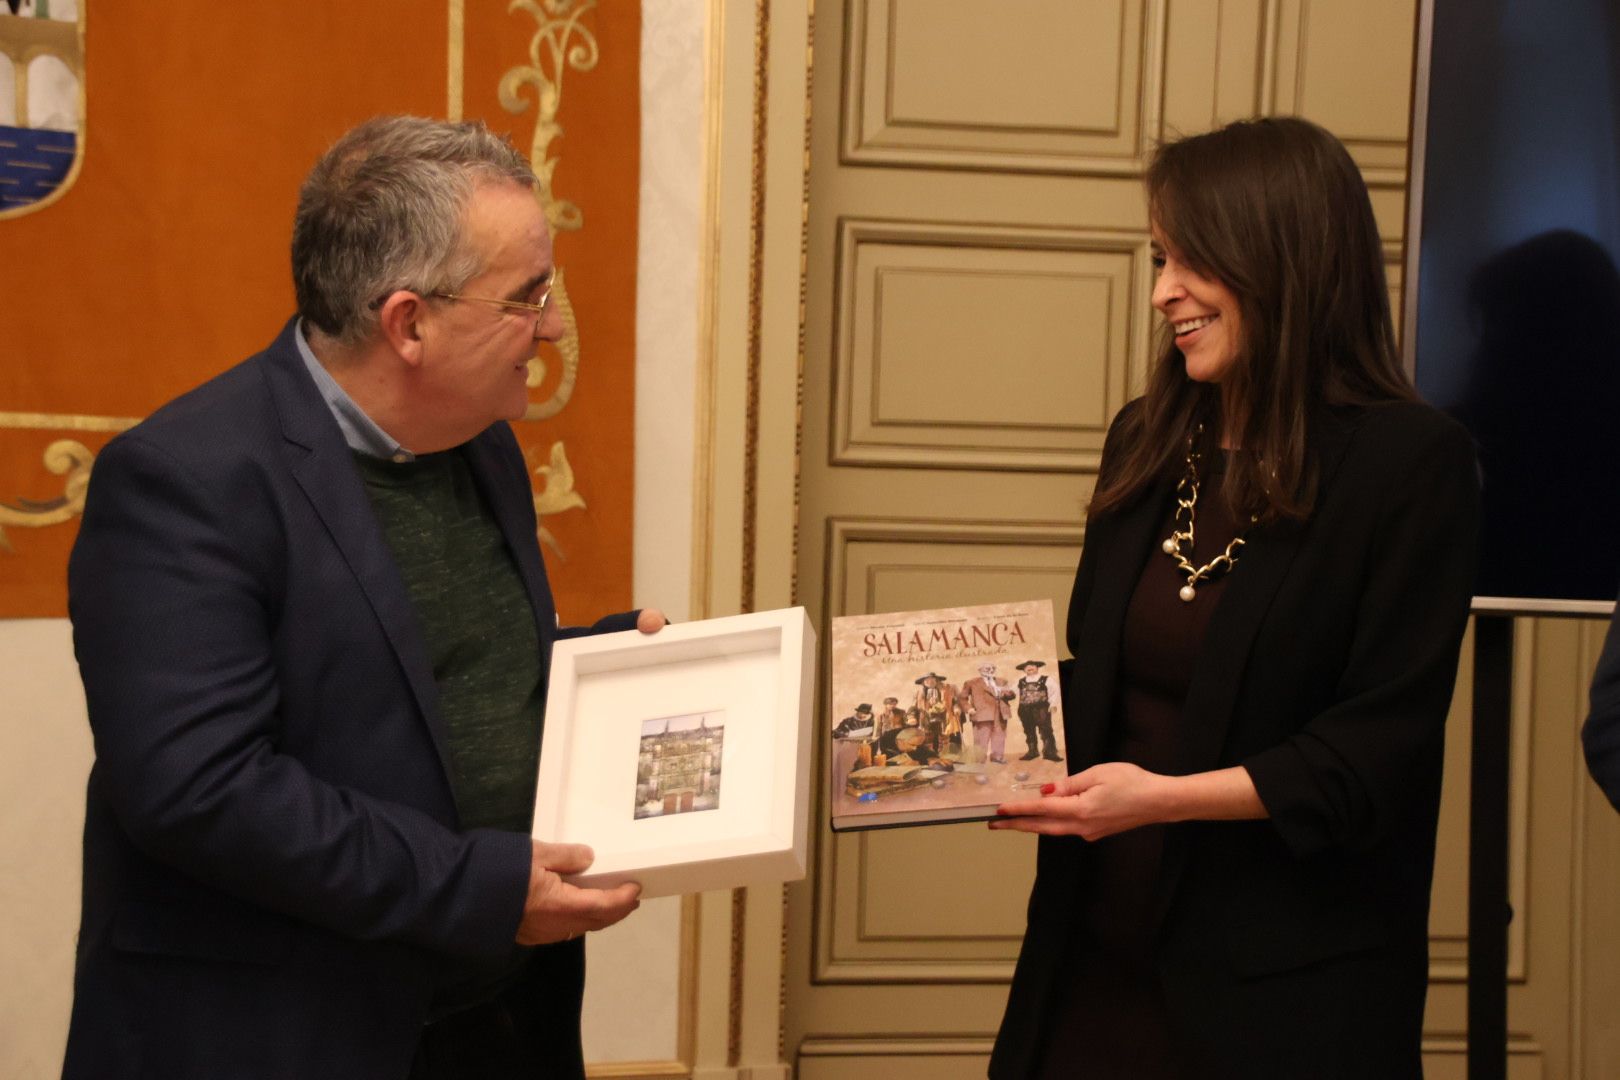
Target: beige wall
{"points": [[44, 761]]}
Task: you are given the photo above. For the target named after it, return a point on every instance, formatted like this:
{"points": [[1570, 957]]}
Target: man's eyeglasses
{"points": [[538, 308]]}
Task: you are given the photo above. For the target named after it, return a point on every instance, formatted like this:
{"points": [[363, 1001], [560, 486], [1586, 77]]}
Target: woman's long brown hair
{"points": [[1275, 210]]}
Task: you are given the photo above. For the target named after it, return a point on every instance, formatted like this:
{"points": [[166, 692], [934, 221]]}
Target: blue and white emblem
{"points": [[41, 100]]}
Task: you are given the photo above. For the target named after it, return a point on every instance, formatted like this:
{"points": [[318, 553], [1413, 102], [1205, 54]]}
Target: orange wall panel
{"points": [[166, 261], [597, 170]]}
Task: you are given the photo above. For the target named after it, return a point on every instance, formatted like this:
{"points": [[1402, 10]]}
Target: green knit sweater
{"points": [[479, 628]]}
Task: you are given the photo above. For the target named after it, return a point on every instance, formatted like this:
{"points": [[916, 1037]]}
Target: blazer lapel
{"points": [[1262, 566], [1218, 674], [323, 466]]}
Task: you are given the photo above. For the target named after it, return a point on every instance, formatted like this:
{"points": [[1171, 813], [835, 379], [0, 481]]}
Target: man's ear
{"points": [[400, 320]]}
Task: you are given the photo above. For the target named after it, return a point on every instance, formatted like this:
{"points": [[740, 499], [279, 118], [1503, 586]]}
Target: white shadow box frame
{"points": [[753, 676]]}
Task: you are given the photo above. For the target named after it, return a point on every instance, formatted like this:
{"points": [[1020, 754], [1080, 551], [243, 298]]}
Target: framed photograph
{"points": [[682, 757]]}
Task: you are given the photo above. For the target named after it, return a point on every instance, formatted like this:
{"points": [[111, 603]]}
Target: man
{"points": [[984, 701], [857, 726], [314, 628], [937, 708], [1035, 712], [909, 746], [891, 717], [852, 741]]}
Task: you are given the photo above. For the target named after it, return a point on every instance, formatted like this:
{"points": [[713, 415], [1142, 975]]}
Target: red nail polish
{"points": [[1047, 789]]}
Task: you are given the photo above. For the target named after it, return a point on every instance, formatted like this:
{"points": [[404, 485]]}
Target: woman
{"points": [[1266, 620]]}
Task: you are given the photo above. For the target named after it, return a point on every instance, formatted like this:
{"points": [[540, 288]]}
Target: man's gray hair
{"points": [[382, 210]]}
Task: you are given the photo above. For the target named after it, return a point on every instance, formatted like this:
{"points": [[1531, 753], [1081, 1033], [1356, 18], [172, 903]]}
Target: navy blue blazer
{"points": [[274, 877], [1294, 946]]}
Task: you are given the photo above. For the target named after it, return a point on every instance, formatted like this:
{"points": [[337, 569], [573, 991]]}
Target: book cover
{"points": [[942, 715]]}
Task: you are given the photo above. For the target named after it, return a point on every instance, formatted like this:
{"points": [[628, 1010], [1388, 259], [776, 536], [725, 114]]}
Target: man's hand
{"points": [[558, 911], [651, 620]]}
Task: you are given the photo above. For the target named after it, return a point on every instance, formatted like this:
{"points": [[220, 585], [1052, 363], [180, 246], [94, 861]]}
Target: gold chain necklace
{"points": [[1186, 504]]}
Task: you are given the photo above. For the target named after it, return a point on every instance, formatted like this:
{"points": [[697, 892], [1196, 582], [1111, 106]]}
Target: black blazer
{"points": [[1295, 946], [274, 879]]}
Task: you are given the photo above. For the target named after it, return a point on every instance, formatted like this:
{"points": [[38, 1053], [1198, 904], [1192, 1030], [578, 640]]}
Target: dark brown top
{"points": [[1110, 1019]]}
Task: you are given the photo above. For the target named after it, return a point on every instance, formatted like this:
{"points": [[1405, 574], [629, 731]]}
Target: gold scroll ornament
{"points": [[560, 42], [67, 458]]}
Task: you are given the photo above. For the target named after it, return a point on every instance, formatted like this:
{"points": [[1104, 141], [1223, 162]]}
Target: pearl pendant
{"points": [[1169, 546], [1187, 593]]}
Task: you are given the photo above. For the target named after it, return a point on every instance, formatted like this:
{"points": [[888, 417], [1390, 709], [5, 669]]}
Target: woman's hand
{"points": [[1116, 795], [1104, 800]]}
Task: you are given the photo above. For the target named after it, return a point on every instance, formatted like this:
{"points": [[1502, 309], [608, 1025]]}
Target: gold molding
{"points": [[739, 956], [686, 1006], [1290, 19], [1588, 647], [799, 354], [1455, 1044], [456, 62], [898, 1046], [857, 436], [871, 135], [798, 452], [641, 1070], [756, 290], [1270, 46], [66, 422], [1527, 638], [1434, 1044], [750, 511]]}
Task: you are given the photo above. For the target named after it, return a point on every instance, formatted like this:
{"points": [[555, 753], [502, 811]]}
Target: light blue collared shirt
{"points": [[359, 430]]}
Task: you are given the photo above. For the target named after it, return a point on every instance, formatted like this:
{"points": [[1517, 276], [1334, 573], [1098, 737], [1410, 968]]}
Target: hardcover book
{"points": [[942, 715]]}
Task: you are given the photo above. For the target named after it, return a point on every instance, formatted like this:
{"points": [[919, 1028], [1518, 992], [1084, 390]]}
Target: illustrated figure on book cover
{"points": [[936, 701], [1035, 697], [985, 701]]}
